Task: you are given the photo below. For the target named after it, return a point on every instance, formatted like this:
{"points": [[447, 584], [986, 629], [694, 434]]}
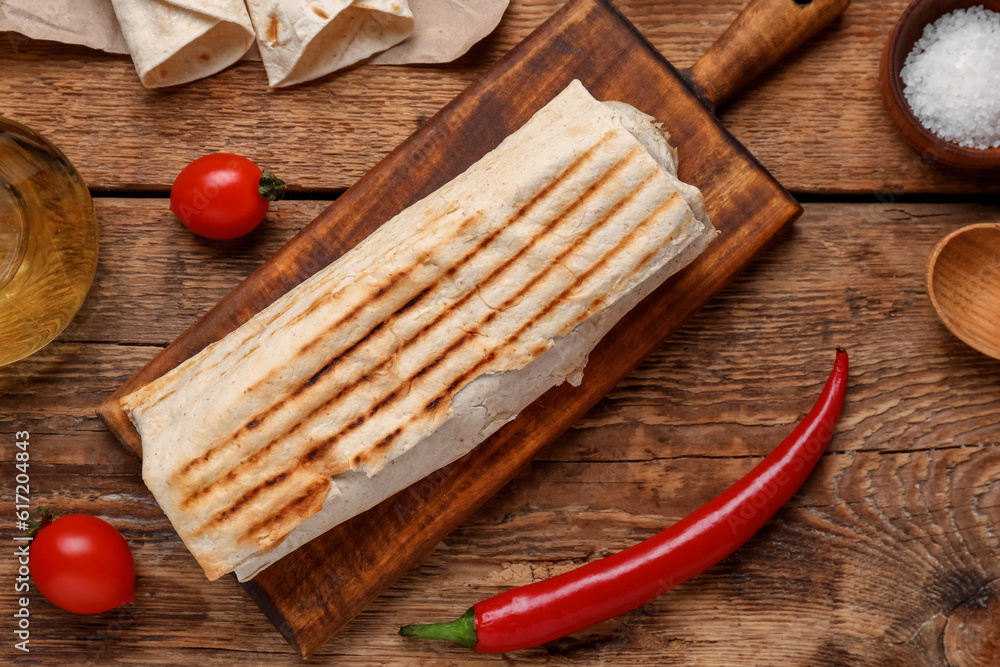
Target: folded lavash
{"points": [[301, 40], [421, 341], [176, 41]]}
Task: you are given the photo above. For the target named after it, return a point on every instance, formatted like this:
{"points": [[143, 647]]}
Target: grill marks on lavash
{"points": [[281, 505]]}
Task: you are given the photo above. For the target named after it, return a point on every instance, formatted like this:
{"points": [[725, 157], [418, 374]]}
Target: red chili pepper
{"points": [[546, 610]]}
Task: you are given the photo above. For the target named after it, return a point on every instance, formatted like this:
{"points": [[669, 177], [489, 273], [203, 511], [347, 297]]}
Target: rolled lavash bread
{"points": [[301, 40], [421, 341], [177, 41]]}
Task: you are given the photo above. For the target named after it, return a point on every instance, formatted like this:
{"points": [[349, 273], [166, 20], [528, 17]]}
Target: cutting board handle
{"points": [[764, 32]]}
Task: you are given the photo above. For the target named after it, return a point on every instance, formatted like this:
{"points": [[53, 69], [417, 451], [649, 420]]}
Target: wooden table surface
{"points": [[889, 555]]}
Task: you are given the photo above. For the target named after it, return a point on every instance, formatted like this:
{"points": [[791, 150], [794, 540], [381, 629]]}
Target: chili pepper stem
{"points": [[271, 187], [461, 630]]}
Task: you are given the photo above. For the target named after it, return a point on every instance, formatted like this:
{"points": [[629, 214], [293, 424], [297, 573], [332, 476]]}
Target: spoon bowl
{"points": [[909, 28], [963, 281]]}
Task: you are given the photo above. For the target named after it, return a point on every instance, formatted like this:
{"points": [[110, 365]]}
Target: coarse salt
{"points": [[952, 77]]}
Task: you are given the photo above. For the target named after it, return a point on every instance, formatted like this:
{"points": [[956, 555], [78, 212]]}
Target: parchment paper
{"points": [[443, 29], [88, 22]]}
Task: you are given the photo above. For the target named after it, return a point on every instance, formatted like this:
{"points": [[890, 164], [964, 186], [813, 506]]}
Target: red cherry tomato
{"points": [[223, 196], [82, 564]]}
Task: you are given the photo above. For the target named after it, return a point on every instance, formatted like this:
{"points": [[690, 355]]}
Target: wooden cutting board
{"points": [[313, 592]]}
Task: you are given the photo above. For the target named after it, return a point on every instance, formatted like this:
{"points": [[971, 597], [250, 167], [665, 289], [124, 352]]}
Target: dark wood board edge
{"points": [[434, 516]]}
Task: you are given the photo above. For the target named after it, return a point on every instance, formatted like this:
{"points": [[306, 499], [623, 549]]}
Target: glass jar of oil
{"points": [[48, 241]]}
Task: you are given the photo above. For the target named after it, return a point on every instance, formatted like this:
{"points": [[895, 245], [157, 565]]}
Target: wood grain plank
{"points": [[815, 120], [908, 494], [861, 289], [181, 276], [867, 564]]}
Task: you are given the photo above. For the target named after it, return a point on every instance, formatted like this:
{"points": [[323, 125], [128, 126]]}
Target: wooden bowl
{"points": [[904, 35], [963, 281]]}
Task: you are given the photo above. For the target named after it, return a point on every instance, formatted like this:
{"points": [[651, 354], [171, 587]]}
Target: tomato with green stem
{"points": [[81, 563], [223, 196]]}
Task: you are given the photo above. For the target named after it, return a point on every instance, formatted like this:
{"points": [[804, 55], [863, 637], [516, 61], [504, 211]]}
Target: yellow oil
{"points": [[48, 242]]}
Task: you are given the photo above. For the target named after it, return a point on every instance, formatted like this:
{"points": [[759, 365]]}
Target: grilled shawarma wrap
{"points": [[424, 339]]}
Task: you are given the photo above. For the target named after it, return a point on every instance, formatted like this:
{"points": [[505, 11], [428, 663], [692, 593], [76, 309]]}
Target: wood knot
{"points": [[972, 635]]}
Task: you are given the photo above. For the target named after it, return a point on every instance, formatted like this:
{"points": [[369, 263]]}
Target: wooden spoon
{"points": [[963, 281], [908, 30]]}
